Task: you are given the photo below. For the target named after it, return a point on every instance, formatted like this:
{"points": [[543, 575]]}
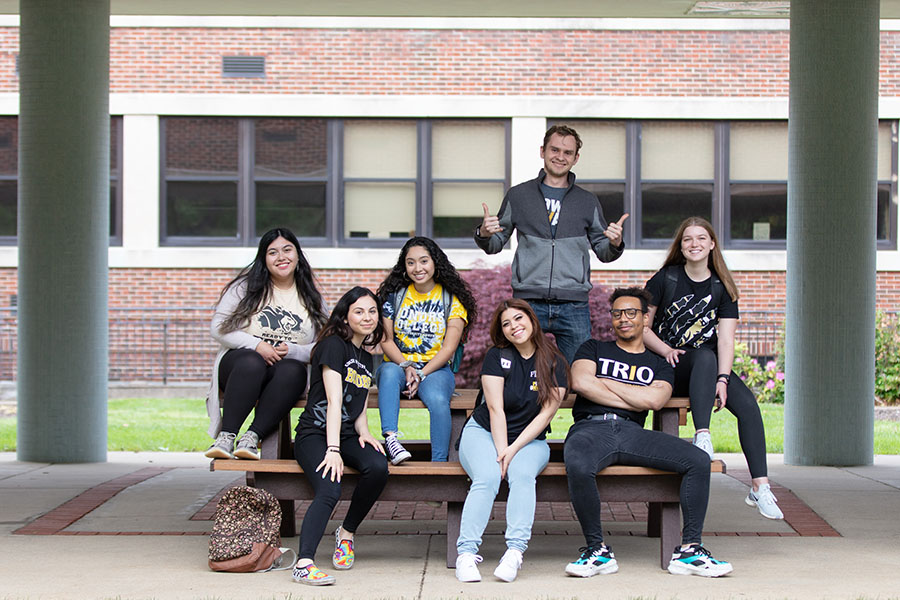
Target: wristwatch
{"points": [[420, 375]]}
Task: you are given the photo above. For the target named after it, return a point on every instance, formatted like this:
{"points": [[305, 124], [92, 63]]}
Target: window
{"points": [[9, 180], [677, 175], [732, 173], [353, 182]]}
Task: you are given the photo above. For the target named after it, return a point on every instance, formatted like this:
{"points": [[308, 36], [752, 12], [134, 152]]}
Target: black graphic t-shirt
{"points": [[553, 198], [520, 391], [355, 366], [617, 364], [690, 320]]}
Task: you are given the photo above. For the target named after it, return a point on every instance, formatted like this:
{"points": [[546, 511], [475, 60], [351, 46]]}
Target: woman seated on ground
{"points": [[694, 313], [265, 322], [428, 309], [524, 379], [333, 430]]}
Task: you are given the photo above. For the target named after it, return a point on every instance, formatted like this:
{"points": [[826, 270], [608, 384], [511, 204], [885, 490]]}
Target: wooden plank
{"points": [[417, 468]]}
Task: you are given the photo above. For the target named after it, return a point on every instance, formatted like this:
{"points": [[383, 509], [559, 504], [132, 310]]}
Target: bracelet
{"points": [[420, 375], [726, 377], [332, 449], [334, 446], [406, 363]]}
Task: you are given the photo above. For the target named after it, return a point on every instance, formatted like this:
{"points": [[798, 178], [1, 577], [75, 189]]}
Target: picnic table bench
{"points": [[419, 479]]}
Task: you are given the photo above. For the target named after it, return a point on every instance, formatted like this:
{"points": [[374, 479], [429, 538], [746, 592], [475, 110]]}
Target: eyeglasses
{"points": [[629, 313]]}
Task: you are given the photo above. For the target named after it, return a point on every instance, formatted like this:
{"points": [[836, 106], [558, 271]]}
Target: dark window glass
{"points": [[8, 207], [883, 224], [299, 206], [611, 197], [665, 205], [759, 211], [9, 146], [198, 148], [113, 208], [291, 148], [199, 208]]}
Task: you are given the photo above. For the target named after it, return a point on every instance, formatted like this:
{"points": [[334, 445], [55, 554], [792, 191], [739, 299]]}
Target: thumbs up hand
{"points": [[614, 231], [489, 225]]}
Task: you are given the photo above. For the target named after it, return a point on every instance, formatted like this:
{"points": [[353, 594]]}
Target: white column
{"points": [[63, 230], [140, 182], [830, 338]]}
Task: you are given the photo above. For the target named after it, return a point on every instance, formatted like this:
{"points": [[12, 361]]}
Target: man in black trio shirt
{"points": [[617, 383]]}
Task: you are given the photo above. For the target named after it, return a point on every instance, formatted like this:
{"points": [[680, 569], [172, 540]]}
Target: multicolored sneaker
{"points": [[696, 560], [311, 575], [343, 551], [593, 561], [765, 501]]}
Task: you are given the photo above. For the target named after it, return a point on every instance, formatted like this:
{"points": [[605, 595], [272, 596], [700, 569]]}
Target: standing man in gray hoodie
{"points": [[558, 224]]}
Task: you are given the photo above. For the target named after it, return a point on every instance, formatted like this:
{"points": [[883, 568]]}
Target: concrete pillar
{"points": [[63, 230], [830, 341]]}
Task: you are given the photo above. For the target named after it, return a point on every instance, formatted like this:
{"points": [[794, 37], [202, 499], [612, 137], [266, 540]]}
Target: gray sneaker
{"points": [[248, 446], [223, 447], [765, 501], [704, 441]]}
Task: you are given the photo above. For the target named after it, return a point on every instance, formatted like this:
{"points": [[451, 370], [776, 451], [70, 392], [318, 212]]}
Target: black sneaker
{"points": [[395, 450], [593, 561], [696, 560]]}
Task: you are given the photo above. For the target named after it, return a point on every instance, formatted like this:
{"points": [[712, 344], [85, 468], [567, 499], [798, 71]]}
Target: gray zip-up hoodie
{"points": [[547, 267]]}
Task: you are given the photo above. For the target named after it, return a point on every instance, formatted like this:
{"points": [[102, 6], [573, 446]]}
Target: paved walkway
{"points": [[136, 527]]}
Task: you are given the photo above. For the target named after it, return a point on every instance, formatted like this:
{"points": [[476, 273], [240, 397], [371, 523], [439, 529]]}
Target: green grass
{"points": [[179, 425]]}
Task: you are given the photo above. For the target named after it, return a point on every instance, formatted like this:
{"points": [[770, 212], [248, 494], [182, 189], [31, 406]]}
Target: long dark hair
{"points": [[337, 322], [715, 261], [546, 355], [259, 284], [444, 273]]}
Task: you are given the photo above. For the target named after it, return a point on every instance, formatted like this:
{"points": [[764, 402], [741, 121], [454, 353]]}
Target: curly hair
{"points": [[259, 284], [547, 356], [444, 273]]}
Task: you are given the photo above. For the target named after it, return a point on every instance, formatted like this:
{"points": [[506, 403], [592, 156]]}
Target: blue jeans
{"points": [[593, 445], [478, 457], [434, 391], [569, 322]]}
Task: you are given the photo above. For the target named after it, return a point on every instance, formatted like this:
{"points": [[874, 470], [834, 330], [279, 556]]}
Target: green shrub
{"points": [[765, 381], [887, 358]]}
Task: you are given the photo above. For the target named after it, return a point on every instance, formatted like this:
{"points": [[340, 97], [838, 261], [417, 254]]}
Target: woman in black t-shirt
{"points": [[694, 314], [524, 379], [333, 430]]}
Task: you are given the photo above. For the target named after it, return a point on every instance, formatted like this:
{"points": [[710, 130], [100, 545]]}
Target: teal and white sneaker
{"points": [[696, 560], [765, 501], [593, 561]]}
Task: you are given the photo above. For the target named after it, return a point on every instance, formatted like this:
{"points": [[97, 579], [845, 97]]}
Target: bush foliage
{"points": [[887, 358], [490, 286]]}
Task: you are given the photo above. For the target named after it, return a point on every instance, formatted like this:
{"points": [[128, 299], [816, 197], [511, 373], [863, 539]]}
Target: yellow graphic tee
{"points": [[419, 324]]}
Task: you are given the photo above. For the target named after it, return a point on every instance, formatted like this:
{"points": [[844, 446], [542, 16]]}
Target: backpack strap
{"points": [[397, 300]]}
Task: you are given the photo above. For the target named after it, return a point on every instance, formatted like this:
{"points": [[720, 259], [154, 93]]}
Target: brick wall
{"points": [[352, 61], [169, 288]]}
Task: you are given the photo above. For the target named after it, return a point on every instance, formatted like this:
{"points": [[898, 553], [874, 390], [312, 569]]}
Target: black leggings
{"points": [[695, 376], [309, 450], [248, 381]]}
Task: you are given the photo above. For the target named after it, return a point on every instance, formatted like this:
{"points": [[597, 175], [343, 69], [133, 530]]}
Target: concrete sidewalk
{"points": [[135, 527]]}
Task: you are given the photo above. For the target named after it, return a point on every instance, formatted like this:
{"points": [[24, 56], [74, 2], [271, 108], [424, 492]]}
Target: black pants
{"points": [[593, 445], [248, 381], [695, 376], [309, 450]]}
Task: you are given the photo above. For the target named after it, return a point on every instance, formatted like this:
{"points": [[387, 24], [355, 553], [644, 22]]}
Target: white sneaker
{"points": [[704, 441], [765, 501], [467, 567], [509, 565]]}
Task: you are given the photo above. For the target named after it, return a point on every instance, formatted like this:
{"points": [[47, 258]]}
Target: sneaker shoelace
{"points": [[394, 445]]}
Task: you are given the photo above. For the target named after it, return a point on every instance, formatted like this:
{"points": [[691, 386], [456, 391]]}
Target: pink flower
{"points": [[779, 376], [754, 361], [770, 365], [770, 385]]}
